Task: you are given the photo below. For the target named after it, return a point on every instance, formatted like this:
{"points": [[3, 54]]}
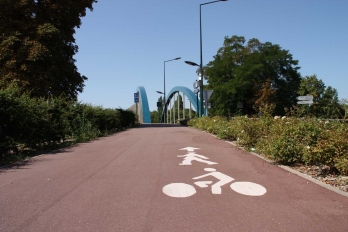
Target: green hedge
{"points": [[28, 125], [285, 140]]}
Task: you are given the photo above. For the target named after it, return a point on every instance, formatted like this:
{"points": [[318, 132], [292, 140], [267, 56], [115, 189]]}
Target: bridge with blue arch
{"points": [[171, 112]]}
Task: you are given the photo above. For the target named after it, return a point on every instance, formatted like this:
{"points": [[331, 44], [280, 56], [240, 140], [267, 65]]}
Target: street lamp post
{"points": [[165, 107], [201, 64]]}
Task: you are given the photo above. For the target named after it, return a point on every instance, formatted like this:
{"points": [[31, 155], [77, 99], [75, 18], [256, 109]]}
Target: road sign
{"points": [[305, 98], [195, 91], [196, 84], [136, 97], [305, 102], [207, 94]]}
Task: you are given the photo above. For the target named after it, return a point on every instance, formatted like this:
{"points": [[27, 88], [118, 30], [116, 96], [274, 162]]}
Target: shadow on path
{"points": [[31, 159]]}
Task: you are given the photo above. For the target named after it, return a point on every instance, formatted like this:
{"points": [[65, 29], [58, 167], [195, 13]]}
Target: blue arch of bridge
{"points": [[188, 92], [144, 104]]}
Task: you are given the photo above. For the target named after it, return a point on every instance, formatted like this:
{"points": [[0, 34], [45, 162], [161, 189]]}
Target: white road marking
{"points": [[189, 148], [248, 188], [203, 184], [223, 179], [188, 158], [180, 190]]}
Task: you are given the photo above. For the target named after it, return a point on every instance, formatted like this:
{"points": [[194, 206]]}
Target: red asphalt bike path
{"points": [[116, 183]]}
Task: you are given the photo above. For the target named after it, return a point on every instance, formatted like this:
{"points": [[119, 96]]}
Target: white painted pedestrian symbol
{"points": [[182, 190], [215, 188], [193, 156]]}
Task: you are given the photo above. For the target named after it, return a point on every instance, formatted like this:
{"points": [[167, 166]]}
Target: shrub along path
{"points": [[34, 125], [322, 173], [314, 147]]}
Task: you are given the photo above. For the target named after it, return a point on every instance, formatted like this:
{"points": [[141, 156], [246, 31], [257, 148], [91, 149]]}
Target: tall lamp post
{"points": [[165, 107], [201, 64]]}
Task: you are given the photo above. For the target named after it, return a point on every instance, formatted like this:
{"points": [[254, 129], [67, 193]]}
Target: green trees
{"points": [[330, 107], [156, 116], [37, 45], [263, 75], [344, 105], [246, 72], [326, 104], [310, 85]]}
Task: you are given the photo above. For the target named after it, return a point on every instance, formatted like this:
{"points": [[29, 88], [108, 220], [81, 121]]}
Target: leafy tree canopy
{"points": [[252, 73], [344, 105], [311, 85], [326, 103], [37, 45]]}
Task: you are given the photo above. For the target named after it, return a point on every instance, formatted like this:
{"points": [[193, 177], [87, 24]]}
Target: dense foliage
{"points": [[285, 140], [37, 45], [326, 103], [251, 73], [31, 124]]}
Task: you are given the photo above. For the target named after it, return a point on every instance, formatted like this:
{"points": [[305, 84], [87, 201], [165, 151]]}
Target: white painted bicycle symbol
{"points": [[182, 190]]}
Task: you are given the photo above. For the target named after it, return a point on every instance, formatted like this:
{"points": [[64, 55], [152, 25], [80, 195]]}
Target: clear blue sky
{"points": [[123, 44]]}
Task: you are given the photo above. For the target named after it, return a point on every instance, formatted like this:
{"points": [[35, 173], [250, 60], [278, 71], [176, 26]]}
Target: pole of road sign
{"points": [[136, 109], [136, 100], [197, 106], [196, 91], [206, 108], [206, 95], [305, 100]]}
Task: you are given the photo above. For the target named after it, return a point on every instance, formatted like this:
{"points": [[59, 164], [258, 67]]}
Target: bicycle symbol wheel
{"points": [[180, 190], [248, 188]]}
